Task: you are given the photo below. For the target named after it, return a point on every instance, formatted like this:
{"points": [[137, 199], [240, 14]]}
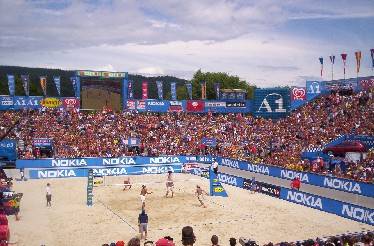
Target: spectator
{"points": [[143, 224], [214, 240], [188, 237], [48, 195], [134, 242], [295, 184], [232, 241]]}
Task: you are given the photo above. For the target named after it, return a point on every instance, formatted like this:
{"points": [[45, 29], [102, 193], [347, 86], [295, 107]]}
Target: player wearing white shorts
{"points": [[169, 184], [143, 193], [199, 192]]}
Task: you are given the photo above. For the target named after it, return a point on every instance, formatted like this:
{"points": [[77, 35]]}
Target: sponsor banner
{"points": [[214, 104], [235, 104], [87, 73], [298, 93], [43, 84], [32, 102], [216, 188], [42, 142], [102, 171], [6, 102], [209, 141], [140, 105], [268, 189], [230, 179], [272, 103], [157, 105], [131, 93], [131, 104], [346, 210], [217, 89], [195, 106], [71, 102], [176, 106], [346, 185], [76, 81], [8, 149], [92, 162], [51, 102]]}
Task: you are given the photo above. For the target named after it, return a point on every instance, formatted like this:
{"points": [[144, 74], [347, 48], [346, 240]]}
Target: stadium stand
{"points": [[259, 140]]}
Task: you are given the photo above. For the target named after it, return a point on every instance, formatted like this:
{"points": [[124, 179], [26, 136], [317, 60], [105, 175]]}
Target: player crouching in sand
{"points": [[200, 192], [169, 184]]}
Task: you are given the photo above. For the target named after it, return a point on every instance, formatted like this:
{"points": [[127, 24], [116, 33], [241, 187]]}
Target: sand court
{"points": [[114, 213]]}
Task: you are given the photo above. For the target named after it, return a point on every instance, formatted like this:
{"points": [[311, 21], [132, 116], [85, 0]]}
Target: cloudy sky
{"points": [[265, 42]]}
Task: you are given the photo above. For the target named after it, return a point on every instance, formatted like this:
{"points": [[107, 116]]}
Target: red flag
{"points": [[195, 105], [145, 90], [358, 60]]}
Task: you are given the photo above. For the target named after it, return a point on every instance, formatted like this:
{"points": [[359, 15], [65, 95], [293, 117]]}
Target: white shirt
{"points": [[48, 190], [215, 164]]}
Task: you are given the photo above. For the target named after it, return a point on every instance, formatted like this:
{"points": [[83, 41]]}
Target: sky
{"points": [[266, 43]]}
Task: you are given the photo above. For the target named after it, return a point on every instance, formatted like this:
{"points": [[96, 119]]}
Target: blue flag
{"points": [[130, 90], [173, 91], [76, 85], [57, 81], [11, 84], [217, 89], [26, 84], [189, 90], [159, 90]]}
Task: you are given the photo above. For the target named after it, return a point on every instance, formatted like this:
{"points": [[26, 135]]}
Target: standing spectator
{"points": [[295, 184], [48, 195], [214, 240], [143, 224], [134, 242], [188, 237], [232, 241]]}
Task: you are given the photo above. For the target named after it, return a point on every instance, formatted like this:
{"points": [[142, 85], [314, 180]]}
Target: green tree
{"points": [[225, 80]]}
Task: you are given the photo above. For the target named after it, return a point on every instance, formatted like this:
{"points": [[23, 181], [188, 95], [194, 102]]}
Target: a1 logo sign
{"points": [[278, 100]]}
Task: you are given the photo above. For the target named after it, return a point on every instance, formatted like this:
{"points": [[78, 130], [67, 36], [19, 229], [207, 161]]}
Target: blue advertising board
{"points": [[346, 210], [8, 149], [34, 102], [272, 103], [70, 172], [346, 185], [314, 89], [91, 162]]}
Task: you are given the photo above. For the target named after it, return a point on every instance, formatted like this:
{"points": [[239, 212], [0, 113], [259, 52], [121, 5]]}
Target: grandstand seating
{"points": [[80, 134]]}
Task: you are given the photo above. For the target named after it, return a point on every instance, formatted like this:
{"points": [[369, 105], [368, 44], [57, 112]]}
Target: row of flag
{"points": [[43, 83], [358, 56], [173, 90]]}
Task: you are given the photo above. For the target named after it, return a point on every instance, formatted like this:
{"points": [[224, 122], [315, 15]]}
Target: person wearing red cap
{"points": [[295, 184], [164, 242]]}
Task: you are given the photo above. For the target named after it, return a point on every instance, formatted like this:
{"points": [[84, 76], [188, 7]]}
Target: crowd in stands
{"points": [[365, 238], [259, 140]]}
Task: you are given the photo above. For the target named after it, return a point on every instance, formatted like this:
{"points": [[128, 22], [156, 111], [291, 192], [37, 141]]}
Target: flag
{"points": [[217, 89], [189, 89], [144, 90], [344, 58], [43, 84], [76, 85], [26, 84], [372, 57], [173, 89], [159, 90], [57, 81], [130, 91], [203, 90], [321, 61], [358, 60], [11, 84], [332, 59]]}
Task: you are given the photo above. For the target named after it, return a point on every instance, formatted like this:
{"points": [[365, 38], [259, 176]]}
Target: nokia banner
{"points": [[57, 81], [160, 90], [76, 85], [173, 90], [26, 84]]}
